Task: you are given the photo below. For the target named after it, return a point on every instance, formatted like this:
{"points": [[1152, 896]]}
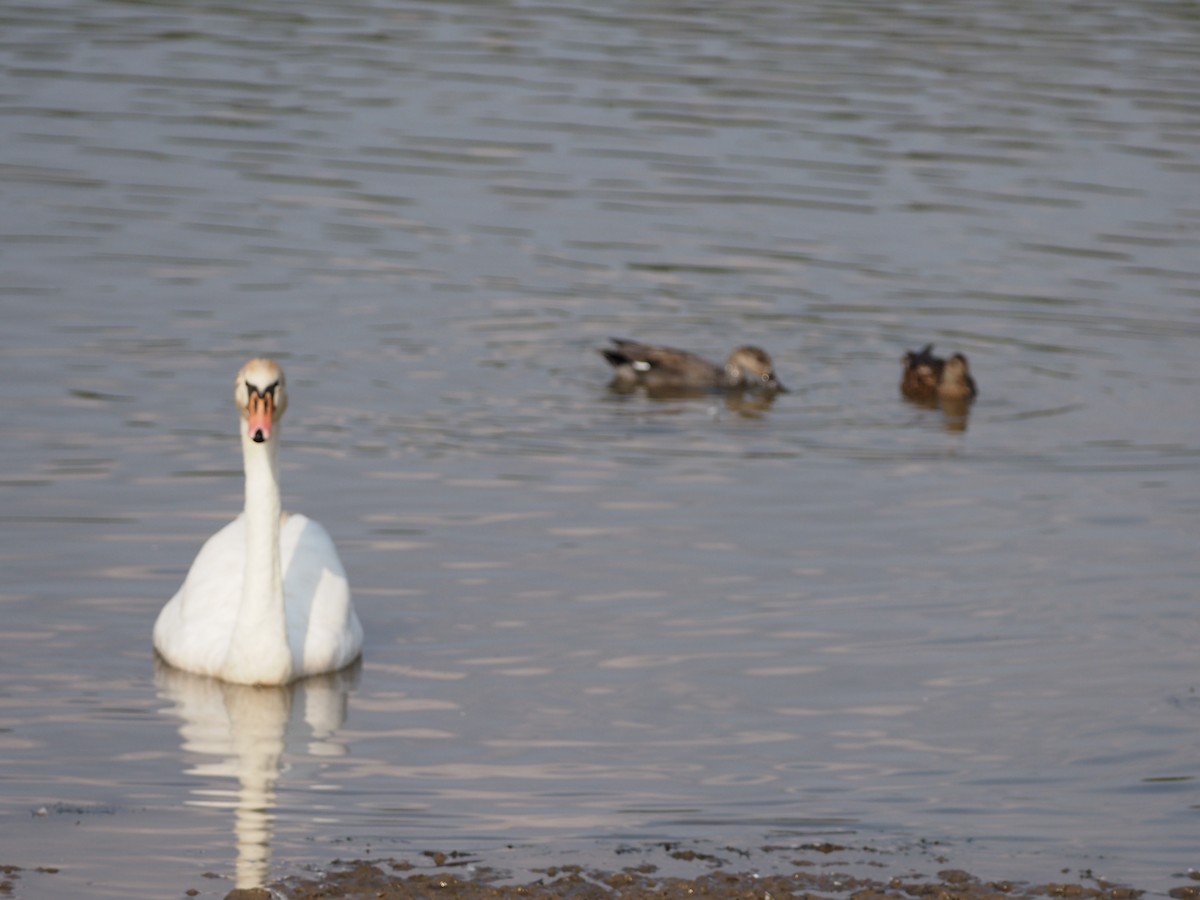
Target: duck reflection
{"points": [[955, 412], [248, 731], [747, 403]]}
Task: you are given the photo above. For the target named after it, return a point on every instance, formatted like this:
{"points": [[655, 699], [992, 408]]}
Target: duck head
{"points": [[750, 366]]}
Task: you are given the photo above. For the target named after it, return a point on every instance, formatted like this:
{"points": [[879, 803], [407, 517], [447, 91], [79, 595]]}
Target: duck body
{"points": [[666, 370], [928, 379], [266, 600]]}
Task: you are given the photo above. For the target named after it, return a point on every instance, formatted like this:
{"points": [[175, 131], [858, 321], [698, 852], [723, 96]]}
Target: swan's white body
{"points": [[266, 600]]}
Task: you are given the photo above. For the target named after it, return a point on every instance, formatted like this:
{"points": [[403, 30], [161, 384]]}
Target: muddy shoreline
{"points": [[396, 880], [811, 871], [676, 871]]}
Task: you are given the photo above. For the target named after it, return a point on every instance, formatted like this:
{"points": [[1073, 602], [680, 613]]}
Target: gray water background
{"points": [[593, 621]]}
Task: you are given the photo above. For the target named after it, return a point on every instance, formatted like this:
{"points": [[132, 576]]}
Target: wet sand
{"points": [[808, 876], [805, 872]]}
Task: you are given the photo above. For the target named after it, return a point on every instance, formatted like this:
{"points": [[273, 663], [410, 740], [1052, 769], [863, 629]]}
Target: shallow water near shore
{"points": [[596, 620]]}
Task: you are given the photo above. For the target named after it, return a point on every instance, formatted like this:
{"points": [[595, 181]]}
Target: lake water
{"points": [[599, 621]]}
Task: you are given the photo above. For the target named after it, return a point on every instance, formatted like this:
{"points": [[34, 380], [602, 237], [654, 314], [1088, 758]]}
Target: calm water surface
{"points": [[598, 621]]}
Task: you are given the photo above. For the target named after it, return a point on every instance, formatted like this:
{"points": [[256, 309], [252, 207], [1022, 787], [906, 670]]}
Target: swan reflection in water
{"points": [[247, 732]]}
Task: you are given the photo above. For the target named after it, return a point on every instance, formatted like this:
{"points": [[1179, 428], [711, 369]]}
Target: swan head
{"points": [[261, 397]]}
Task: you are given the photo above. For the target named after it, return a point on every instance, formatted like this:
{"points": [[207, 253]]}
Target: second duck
{"points": [[929, 379]]}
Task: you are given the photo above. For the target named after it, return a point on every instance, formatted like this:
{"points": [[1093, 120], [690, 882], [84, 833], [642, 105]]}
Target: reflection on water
{"points": [[245, 734], [747, 403], [954, 413]]}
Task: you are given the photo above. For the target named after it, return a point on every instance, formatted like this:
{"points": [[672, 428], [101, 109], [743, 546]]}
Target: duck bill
{"points": [[260, 416]]}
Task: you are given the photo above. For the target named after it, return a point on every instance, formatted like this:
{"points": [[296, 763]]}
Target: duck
{"points": [[669, 370], [266, 600], [928, 378]]}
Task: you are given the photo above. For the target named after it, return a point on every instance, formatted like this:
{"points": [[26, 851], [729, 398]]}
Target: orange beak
{"points": [[261, 416]]}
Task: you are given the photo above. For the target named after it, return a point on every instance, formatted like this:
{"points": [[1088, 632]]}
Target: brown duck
{"points": [[664, 370], [928, 378]]}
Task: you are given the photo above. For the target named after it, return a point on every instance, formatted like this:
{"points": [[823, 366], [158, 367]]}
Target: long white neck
{"points": [[259, 651]]}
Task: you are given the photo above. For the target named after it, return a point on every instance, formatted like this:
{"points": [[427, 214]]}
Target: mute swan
{"points": [[665, 369], [266, 599]]}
